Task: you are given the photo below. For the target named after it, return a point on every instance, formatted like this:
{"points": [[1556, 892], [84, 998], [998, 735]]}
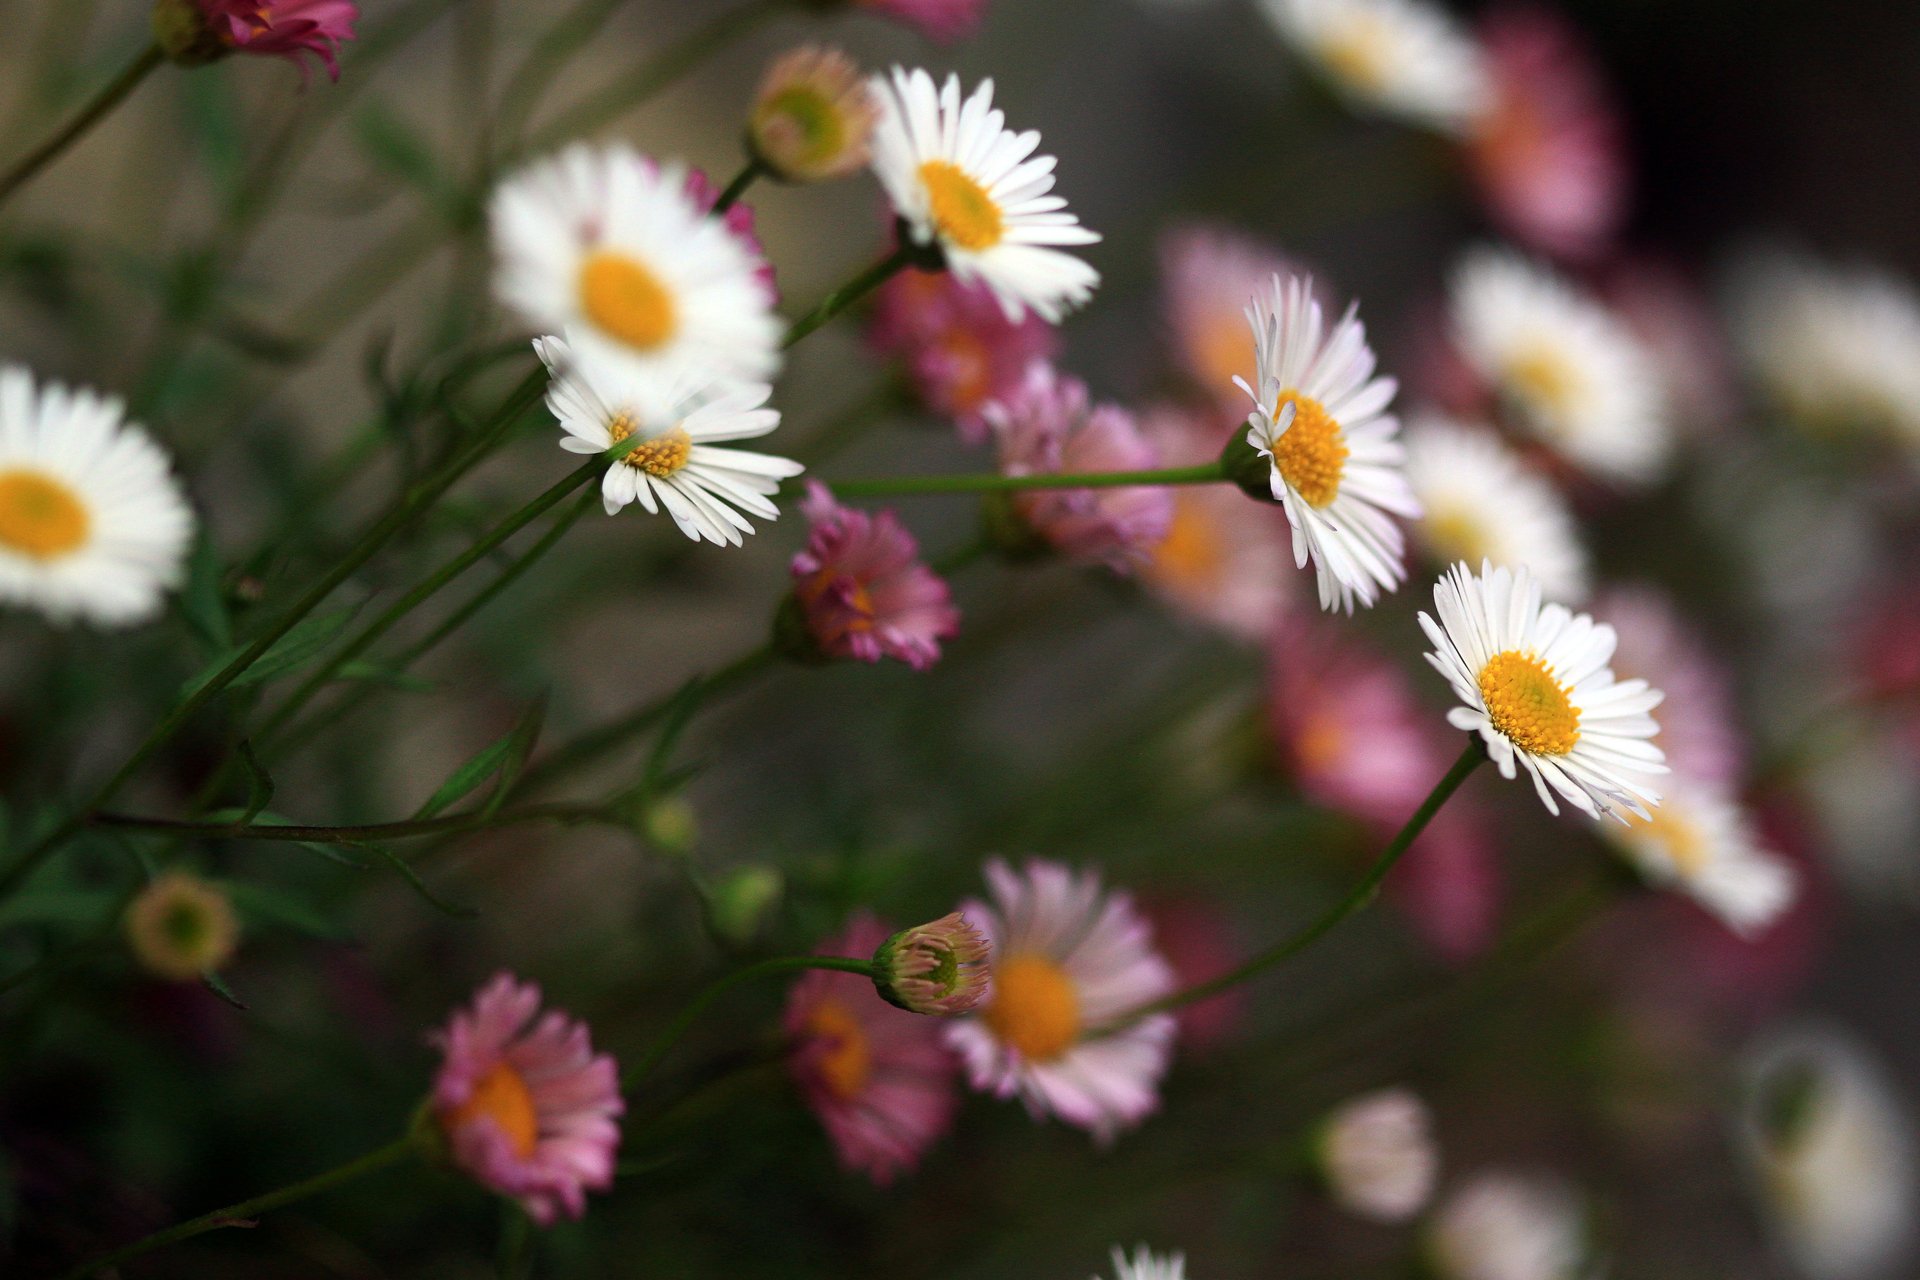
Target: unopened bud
{"points": [[813, 117], [181, 927], [938, 968]]}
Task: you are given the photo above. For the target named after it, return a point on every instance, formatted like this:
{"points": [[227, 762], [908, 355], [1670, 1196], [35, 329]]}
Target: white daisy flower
{"points": [[1509, 1226], [93, 524], [1398, 57], [1320, 417], [1575, 375], [1837, 349], [1483, 503], [1699, 842], [1378, 1155], [960, 179], [600, 403], [608, 247], [1537, 689], [1145, 1266]]}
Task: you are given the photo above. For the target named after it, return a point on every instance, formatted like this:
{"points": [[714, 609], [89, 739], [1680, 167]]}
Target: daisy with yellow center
{"points": [[1396, 57], [677, 465], [1536, 687], [610, 248], [93, 525], [962, 181], [1572, 373], [1700, 843], [1070, 960], [1337, 465]]}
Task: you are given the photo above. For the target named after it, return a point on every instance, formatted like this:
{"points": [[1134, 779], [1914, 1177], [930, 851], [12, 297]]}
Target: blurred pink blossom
{"points": [[863, 590], [959, 348]]}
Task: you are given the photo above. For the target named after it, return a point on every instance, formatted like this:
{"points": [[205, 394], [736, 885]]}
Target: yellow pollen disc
{"points": [[1322, 741], [40, 516], [1035, 1008], [962, 209], [1454, 534], [1313, 452], [1528, 705], [1360, 53], [1680, 839], [1192, 552], [846, 1060], [659, 457], [502, 1097], [1543, 379], [625, 299]]}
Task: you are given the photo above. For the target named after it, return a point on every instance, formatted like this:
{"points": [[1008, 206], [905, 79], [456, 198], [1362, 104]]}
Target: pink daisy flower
{"points": [[1069, 960], [1050, 425], [526, 1106], [1548, 154], [292, 29], [959, 348], [1699, 728], [862, 589], [941, 20], [879, 1078], [1209, 274]]}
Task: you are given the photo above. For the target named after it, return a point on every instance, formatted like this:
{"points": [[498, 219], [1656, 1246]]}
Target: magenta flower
{"points": [[942, 20], [1049, 425], [284, 28], [862, 589], [879, 1078], [959, 348], [526, 1106], [1548, 155]]}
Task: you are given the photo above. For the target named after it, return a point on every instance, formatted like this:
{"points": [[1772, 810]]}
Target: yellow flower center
{"points": [[1193, 552], [1681, 840], [1528, 705], [659, 457], [1035, 1008], [622, 297], [502, 1097], [40, 516], [1454, 534], [1312, 453], [846, 1060], [1321, 742], [1544, 379], [963, 211], [1360, 52]]}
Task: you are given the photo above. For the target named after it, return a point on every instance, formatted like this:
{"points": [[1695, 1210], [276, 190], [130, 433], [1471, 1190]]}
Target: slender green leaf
{"points": [[218, 985], [202, 602], [418, 885], [263, 905], [259, 782], [504, 757]]}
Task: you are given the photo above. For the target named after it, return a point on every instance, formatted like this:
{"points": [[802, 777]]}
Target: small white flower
{"points": [[1537, 689], [1397, 57], [1145, 1266], [606, 246], [962, 180], [93, 524], [1379, 1156], [1337, 467], [1483, 503], [1509, 1226], [1576, 376], [1699, 842], [601, 403]]}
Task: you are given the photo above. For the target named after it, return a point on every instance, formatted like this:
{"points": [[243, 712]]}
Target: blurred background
{"points": [[268, 269]]}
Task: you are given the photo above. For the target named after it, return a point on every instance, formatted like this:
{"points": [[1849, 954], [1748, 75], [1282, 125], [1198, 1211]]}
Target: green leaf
{"points": [[504, 757], [419, 886], [296, 648], [520, 745], [218, 985], [55, 907], [259, 782], [395, 147], [373, 673], [202, 602], [214, 119], [264, 905]]}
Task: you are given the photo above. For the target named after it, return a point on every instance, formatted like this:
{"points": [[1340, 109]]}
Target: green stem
{"points": [[664, 1042], [738, 187], [67, 134], [848, 294], [1358, 898], [890, 486], [412, 504], [370, 833], [242, 1214]]}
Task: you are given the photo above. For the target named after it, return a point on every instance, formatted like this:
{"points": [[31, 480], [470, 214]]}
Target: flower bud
{"points": [[938, 968], [181, 927], [813, 116], [741, 902], [1377, 1155]]}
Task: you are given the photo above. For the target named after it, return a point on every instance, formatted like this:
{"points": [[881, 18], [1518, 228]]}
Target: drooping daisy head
{"points": [[1573, 374], [198, 31], [813, 116], [879, 1078], [1404, 58], [1050, 424], [1700, 843], [1071, 961], [180, 927], [1509, 1226], [1320, 419], [93, 525], [610, 248], [1378, 1155], [525, 1105], [1536, 687], [960, 349], [1146, 1265], [1547, 152], [1483, 503], [862, 589], [964, 183], [682, 463], [1208, 275]]}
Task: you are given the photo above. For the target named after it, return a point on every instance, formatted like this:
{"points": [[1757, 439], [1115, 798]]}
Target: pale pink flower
{"points": [[1071, 962], [1051, 425], [1209, 274], [527, 1108], [292, 29], [862, 588], [1548, 153], [1379, 1156], [879, 1078], [941, 20], [1699, 727], [959, 348]]}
